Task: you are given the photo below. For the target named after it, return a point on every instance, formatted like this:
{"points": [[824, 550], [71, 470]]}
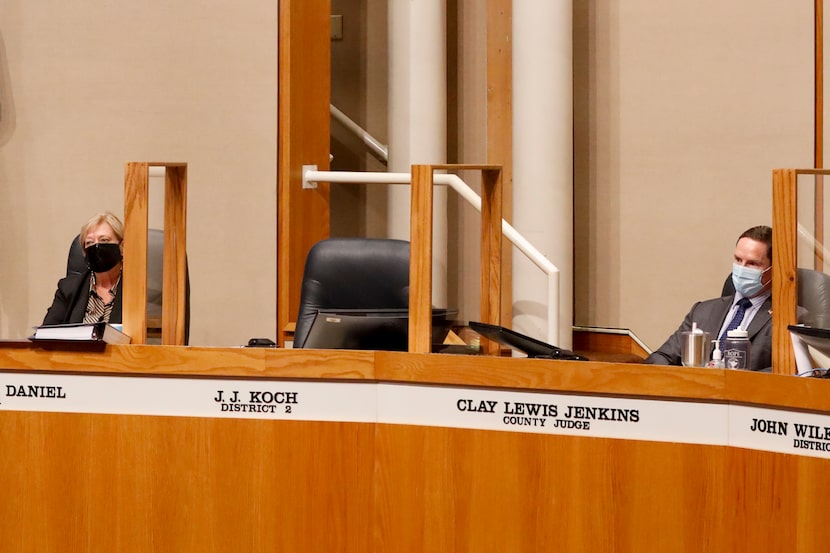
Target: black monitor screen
{"points": [[519, 342], [375, 329]]}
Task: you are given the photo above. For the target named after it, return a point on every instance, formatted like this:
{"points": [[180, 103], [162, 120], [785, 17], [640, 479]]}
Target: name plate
{"points": [[690, 422], [189, 397]]}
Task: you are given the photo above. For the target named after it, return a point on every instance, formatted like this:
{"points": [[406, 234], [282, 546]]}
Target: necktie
{"points": [[743, 304]]}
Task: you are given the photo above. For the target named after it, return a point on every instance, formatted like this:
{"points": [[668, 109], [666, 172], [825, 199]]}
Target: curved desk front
{"points": [[160, 449]]}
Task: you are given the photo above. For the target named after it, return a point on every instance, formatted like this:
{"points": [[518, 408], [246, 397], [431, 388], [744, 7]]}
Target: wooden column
{"points": [[136, 193], [303, 139], [818, 134], [500, 125]]}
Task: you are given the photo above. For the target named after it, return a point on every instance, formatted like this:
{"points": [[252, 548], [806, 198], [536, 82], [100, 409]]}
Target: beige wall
{"points": [[86, 86], [682, 109]]}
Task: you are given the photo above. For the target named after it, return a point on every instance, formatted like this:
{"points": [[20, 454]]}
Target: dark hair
{"points": [[761, 233]]}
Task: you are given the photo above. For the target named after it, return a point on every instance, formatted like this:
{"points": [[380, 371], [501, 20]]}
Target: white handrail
{"points": [[453, 181], [807, 235], [379, 150]]}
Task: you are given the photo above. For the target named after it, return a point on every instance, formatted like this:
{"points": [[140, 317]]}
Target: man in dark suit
{"points": [[752, 277]]}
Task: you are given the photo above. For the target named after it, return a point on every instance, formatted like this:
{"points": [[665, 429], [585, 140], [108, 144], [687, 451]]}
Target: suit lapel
{"points": [[723, 311], [761, 318]]}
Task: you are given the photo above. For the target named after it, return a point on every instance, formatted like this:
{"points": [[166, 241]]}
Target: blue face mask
{"points": [[747, 280]]}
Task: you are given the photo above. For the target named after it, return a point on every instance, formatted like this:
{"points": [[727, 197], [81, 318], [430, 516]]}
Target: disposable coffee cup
{"points": [[697, 346]]}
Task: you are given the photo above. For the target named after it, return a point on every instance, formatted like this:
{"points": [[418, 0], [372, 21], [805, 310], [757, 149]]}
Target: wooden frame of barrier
{"points": [[784, 263], [137, 483], [420, 235], [136, 196]]}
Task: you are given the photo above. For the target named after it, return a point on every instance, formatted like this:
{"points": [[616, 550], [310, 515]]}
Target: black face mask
{"points": [[102, 257]]}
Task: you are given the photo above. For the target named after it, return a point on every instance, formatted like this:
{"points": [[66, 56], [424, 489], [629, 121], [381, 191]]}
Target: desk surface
{"points": [[538, 374]]}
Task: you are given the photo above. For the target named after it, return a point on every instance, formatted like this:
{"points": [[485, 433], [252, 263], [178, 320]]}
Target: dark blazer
{"points": [[709, 316], [69, 305]]}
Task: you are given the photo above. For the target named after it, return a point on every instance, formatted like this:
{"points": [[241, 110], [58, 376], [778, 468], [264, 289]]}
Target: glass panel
{"points": [[813, 262], [813, 222]]}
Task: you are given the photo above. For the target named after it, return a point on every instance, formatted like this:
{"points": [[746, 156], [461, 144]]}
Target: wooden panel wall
{"points": [[158, 484], [535, 493], [303, 127], [83, 482]]}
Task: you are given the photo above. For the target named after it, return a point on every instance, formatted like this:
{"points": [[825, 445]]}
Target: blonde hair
{"points": [[106, 217]]}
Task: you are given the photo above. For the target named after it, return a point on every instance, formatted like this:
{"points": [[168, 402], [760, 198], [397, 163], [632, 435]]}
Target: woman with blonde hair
{"points": [[93, 295]]}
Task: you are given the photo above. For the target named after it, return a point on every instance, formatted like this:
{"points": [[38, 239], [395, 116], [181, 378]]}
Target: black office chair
{"points": [[76, 264], [352, 273], [813, 295]]}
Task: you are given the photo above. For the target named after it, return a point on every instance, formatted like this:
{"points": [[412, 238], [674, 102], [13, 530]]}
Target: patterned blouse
{"points": [[96, 309]]}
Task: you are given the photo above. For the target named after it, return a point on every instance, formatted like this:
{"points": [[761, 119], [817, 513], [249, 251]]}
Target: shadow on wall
{"points": [[6, 97], [13, 324]]}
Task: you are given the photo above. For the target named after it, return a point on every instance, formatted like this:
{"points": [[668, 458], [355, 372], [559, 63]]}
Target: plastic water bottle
{"points": [[736, 349]]}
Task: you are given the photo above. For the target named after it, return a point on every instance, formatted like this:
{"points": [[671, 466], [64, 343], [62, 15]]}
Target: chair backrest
{"points": [[813, 295], [352, 273], [76, 264]]}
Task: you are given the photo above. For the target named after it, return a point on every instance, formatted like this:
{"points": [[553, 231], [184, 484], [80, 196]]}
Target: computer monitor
{"points": [[375, 329], [525, 344]]}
